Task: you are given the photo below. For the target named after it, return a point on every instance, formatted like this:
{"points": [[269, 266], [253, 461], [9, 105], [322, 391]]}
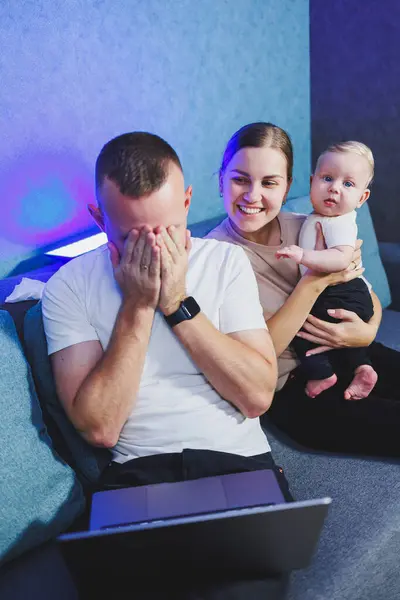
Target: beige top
{"points": [[276, 278]]}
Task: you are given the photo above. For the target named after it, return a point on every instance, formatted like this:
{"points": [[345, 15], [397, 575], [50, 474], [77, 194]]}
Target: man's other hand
{"points": [[174, 264]]}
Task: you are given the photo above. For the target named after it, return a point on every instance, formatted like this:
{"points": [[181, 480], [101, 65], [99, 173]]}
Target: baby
{"points": [[339, 186]]}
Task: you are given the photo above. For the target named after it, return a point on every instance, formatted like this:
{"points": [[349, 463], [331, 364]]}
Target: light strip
{"points": [[80, 247]]}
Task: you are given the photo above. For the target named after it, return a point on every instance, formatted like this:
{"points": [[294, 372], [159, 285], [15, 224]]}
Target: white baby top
{"points": [[338, 231]]}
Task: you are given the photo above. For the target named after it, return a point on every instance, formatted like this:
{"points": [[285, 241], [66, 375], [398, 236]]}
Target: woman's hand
{"points": [[351, 332]]}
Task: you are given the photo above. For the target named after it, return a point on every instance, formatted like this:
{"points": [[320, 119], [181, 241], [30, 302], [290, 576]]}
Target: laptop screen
{"points": [[168, 500]]}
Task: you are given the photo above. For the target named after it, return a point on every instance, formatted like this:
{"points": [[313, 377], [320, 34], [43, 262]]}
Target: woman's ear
{"points": [[97, 215], [364, 198]]}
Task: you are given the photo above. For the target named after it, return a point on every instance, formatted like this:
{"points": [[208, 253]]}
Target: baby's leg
{"points": [[365, 378], [315, 387], [356, 361], [317, 368]]}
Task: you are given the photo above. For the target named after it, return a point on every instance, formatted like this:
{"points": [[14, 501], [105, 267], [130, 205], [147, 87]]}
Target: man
{"points": [[158, 343]]}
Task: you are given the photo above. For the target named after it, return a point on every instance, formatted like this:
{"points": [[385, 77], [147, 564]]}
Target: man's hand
{"points": [[137, 271], [293, 252], [174, 264]]}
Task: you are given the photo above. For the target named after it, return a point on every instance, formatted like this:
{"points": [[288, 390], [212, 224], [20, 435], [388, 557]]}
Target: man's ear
{"points": [[188, 197], [97, 215], [364, 198]]}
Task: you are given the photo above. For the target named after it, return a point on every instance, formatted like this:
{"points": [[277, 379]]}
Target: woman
{"points": [[255, 178]]}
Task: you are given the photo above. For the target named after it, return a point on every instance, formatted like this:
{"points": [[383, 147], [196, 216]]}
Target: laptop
{"points": [[242, 517]]}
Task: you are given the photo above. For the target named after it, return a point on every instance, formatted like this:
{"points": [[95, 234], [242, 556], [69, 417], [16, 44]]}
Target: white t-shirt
{"points": [[175, 407], [338, 231]]}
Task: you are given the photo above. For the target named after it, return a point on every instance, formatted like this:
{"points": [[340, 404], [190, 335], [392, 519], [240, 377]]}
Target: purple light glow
{"points": [[46, 199]]}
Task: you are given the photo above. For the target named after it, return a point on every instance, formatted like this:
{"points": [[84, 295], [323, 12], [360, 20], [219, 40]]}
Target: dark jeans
{"points": [[329, 422], [110, 580], [353, 296]]}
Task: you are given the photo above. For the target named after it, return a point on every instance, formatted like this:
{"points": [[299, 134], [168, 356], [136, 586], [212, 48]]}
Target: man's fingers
{"points": [[155, 264], [140, 245], [188, 244], [165, 257], [318, 350], [129, 246], [165, 240], [114, 255], [176, 238], [146, 254]]}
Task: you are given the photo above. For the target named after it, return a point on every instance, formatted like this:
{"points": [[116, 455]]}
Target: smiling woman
{"points": [[255, 178]]}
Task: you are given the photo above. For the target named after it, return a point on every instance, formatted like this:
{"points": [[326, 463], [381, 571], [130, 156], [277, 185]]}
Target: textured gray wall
{"points": [[75, 73], [355, 92]]}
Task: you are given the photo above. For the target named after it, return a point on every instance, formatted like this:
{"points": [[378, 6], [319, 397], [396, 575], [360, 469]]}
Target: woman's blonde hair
{"points": [[355, 148]]}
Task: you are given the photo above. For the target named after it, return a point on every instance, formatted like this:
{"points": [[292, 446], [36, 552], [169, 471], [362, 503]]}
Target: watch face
{"points": [[187, 310], [190, 307]]}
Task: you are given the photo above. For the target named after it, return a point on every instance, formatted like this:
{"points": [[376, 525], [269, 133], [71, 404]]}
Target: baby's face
{"points": [[339, 184]]}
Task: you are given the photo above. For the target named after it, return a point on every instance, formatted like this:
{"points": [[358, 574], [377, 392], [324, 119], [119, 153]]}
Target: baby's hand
{"points": [[293, 252]]}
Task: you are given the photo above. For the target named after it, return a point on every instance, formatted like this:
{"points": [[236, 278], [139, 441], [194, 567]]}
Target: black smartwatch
{"points": [[186, 311]]}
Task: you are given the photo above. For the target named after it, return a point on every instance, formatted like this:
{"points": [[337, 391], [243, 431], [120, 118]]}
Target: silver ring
{"points": [[144, 267]]}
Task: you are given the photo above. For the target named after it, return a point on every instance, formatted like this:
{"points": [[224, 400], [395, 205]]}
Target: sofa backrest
{"points": [[39, 493], [88, 462]]}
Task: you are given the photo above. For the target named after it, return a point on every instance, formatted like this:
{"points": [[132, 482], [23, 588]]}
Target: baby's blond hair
{"points": [[356, 148]]}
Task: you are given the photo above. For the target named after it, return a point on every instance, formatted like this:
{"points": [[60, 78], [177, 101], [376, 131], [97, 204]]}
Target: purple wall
{"points": [[74, 73], [355, 91]]}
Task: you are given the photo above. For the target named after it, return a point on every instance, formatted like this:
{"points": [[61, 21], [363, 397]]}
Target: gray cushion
{"points": [[89, 462], [39, 493]]}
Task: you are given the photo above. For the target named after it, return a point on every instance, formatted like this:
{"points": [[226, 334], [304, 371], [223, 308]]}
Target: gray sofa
{"points": [[358, 554]]}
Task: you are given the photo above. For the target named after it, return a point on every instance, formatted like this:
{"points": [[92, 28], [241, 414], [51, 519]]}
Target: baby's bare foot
{"points": [[363, 383], [316, 386]]}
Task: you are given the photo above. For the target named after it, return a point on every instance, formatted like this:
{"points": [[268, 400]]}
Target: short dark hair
{"points": [[259, 135], [138, 163]]}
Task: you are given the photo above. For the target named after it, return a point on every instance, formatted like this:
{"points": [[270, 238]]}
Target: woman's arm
{"points": [[352, 332], [287, 321]]}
